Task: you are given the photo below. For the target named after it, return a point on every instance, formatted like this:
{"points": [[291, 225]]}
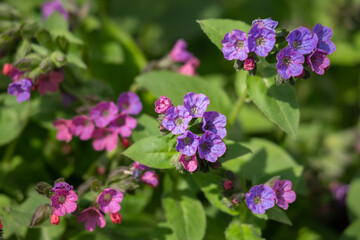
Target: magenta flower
{"points": [[162, 104], [196, 104], [228, 185], [54, 6], [62, 186], [82, 126], [150, 178], [189, 162], [104, 139], [92, 217], [318, 61], [63, 126], [284, 194], [214, 122], [64, 201], [103, 113], [289, 62], [123, 124], [302, 40], [140, 166], [20, 89], [249, 64], [109, 200], [49, 82], [177, 119], [187, 143], [339, 191], [179, 52], [235, 45], [129, 102], [324, 35], [260, 198], [189, 68], [211, 147]]}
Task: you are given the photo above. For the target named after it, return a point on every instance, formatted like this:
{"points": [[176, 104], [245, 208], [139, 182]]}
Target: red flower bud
{"points": [[301, 75], [54, 219], [7, 68], [116, 218], [228, 185], [125, 142], [1, 226], [249, 64]]}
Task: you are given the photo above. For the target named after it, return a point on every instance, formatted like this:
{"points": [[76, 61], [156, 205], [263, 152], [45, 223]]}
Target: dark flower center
{"points": [[187, 141], [239, 44], [194, 110], [62, 199], [125, 105], [257, 200], [179, 121], [105, 113], [107, 197], [286, 61], [121, 121], [260, 41], [296, 44], [205, 146]]}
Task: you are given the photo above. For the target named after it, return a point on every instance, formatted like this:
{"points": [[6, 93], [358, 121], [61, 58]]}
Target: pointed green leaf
{"points": [[238, 231]]}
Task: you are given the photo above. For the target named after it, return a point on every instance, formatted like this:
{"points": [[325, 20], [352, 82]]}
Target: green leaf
{"points": [[238, 231], [278, 215], [352, 199], [108, 52], [234, 150], [146, 126], [75, 60], [163, 232], [13, 117], [278, 103], [152, 151], [175, 86], [185, 216], [352, 231], [216, 29]]}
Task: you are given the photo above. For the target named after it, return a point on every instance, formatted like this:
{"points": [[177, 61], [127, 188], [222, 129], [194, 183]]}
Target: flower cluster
{"points": [[262, 197], [305, 48], [105, 122], [181, 55], [146, 175], [177, 119]]}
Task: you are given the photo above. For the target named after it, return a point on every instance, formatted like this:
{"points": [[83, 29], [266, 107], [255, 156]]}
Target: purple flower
{"points": [[189, 68], [49, 82], [324, 35], [64, 201], [261, 40], [92, 217], [150, 178], [63, 126], [140, 166], [16, 74], [214, 122], [211, 147], [123, 124], [21, 89], [284, 194], [318, 61], [187, 143], [55, 6], [176, 119], [82, 126], [289, 62], [61, 186], [267, 23], [179, 52], [235, 45], [104, 139], [196, 104], [162, 104], [109, 200], [302, 40], [339, 191], [103, 113], [189, 162], [259, 198], [129, 102]]}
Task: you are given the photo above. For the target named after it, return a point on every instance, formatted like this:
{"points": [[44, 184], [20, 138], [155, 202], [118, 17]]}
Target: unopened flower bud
{"points": [[54, 219], [228, 185], [249, 64], [162, 104], [40, 214], [116, 218], [7, 68], [237, 198], [301, 75], [215, 165], [125, 142], [44, 188]]}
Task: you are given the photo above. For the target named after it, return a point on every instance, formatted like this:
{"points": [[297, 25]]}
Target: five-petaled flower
{"points": [[284, 194], [64, 201], [290, 62], [129, 102], [235, 45], [176, 119], [187, 143], [109, 200], [211, 147], [196, 104], [260, 198], [92, 217]]}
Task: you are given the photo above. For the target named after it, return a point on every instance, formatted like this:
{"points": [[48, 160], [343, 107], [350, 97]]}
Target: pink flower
{"points": [[150, 178], [228, 185], [109, 200], [123, 124], [284, 194], [49, 82], [249, 64], [140, 166], [104, 139], [162, 104], [189, 68], [92, 217], [82, 126], [64, 201], [179, 52], [189, 162], [103, 113], [63, 126]]}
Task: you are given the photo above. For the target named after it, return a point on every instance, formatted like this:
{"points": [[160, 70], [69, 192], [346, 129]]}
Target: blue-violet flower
{"points": [[235, 45], [302, 40], [259, 198], [187, 143], [177, 119], [289, 62], [211, 147], [196, 104]]}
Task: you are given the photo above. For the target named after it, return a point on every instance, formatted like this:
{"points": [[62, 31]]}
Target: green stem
{"points": [[236, 109]]}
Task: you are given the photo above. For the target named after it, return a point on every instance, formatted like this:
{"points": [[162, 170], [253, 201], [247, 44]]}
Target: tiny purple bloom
{"points": [[104, 139], [339, 191], [54, 6], [162, 104], [140, 166], [302, 40], [284, 194], [150, 178], [103, 113], [267, 23], [261, 40], [289, 62], [318, 61], [92, 217], [49, 82], [196, 104], [189, 162], [20, 89], [214, 122], [176, 119], [109, 200], [187, 143], [259, 198], [235, 45], [82, 126], [123, 124], [64, 201], [324, 35], [129, 102], [63, 126], [211, 147], [61, 186], [189, 68], [179, 52]]}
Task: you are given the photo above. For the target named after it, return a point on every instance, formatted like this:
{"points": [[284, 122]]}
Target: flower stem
{"points": [[236, 109]]}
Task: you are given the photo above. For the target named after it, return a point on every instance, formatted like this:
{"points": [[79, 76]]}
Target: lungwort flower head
{"points": [[123, 124], [179, 52], [318, 61], [162, 104], [92, 217], [211, 147], [289, 62], [235, 45], [284, 194], [109, 200], [324, 35], [176, 119], [82, 126], [61, 186], [187, 143], [150, 178], [196, 104], [260, 198], [214, 122], [104, 139], [64, 129], [129, 102], [267, 23], [261, 40], [21, 89], [64, 201], [49, 82], [103, 113], [302, 40], [189, 162]]}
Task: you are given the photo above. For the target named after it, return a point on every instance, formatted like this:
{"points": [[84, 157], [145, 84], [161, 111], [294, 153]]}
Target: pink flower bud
{"points": [[125, 142], [7, 68], [54, 219], [162, 104], [249, 64], [116, 218], [228, 185]]}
